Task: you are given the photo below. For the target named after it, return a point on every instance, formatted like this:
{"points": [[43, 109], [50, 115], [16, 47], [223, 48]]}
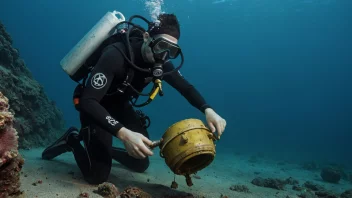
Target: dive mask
{"points": [[162, 44]]}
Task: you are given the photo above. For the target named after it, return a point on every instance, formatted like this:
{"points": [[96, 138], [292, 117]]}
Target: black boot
{"points": [[62, 145]]}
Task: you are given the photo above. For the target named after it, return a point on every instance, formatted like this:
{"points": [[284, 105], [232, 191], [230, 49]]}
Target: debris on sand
{"points": [[136, 192], [240, 188], [312, 186], [278, 184]]}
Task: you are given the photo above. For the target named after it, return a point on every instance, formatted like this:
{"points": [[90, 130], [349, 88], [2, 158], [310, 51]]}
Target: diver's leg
{"points": [[130, 119], [79, 152], [70, 141], [94, 159], [61, 145]]}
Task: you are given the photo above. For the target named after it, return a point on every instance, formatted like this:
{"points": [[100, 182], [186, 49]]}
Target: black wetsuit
{"points": [[102, 114]]}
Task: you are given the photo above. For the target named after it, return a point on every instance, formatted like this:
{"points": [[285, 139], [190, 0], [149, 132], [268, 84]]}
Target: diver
{"points": [[106, 108]]}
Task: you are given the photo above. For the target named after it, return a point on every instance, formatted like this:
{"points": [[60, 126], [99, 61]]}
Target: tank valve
{"points": [[189, 180]]}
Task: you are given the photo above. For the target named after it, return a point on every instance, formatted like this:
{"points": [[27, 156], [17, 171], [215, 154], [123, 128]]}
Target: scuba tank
{"points": [[76, 57]]}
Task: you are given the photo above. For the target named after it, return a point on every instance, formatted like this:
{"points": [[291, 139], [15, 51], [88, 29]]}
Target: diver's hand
{"points": [[135, 143], [215, 122]]}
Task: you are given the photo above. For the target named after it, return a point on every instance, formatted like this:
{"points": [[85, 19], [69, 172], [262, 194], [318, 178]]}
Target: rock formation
{"points": [[10, 160], [38, 120], [330, 174]]}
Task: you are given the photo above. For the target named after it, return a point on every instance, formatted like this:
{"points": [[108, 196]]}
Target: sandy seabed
{"points": [[61, 177]]}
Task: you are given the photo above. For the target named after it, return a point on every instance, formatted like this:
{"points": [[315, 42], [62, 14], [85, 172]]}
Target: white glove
{"points": [[215, 122]]}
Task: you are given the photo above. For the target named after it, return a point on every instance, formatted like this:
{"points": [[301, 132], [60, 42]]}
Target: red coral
{"points": [[8, 135], [10, 178], [10, 160]]}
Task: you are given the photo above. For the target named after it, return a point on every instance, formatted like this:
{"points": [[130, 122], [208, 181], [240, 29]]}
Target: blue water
{"points": [[279, 71]]}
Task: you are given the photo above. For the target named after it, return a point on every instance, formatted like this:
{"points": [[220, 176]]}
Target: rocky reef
{"points": [[10, 160], [38, 120]]}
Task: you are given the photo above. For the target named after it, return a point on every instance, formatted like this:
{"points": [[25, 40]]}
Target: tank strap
{"points": [[128, 80], [130, 73], [121, 88]]}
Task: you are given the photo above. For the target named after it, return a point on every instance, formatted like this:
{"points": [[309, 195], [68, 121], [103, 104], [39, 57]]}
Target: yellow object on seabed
{"points": [[188, 147]]}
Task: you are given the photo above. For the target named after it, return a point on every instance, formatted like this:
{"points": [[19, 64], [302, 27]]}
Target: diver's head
{"points": [[160, 41]]}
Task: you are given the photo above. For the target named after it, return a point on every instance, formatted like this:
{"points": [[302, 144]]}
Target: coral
{"points": [[107, 190], [38, 120], [8, 135], [10, 177], [11, 161]]}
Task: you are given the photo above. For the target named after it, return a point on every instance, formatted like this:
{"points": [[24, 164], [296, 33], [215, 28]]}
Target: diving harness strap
{"points": [[157, 89], [156, 71]]}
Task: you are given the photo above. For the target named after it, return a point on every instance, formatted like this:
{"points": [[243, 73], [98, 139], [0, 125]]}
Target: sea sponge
{"points": [[10, 160]]}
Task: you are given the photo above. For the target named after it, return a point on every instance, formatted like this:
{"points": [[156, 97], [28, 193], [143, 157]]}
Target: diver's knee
{"points": [[97, 177], [142, 166]]}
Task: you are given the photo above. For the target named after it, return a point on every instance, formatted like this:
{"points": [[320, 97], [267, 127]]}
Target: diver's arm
{"points": [[187, 90], [109, 66]]}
